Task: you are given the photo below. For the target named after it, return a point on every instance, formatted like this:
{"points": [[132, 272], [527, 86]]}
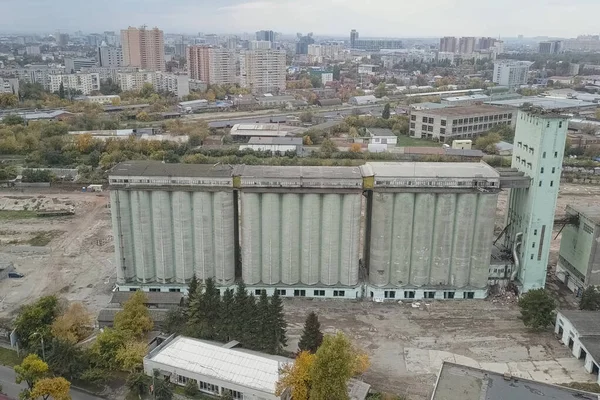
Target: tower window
{"points": [[560, 124], [551, 183], [542, 170], [553, 169], [544, 155], [540, 184], [556, 154], [533, 245], [531, 257]]}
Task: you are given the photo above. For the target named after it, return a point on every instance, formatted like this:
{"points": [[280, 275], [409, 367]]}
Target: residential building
{"points": [[143, 48], [380, 139], [367, 69], [446, 56], [511, 73], [9, 85], [225, 370], [449, 44], [259, 45], [86, 83], [579, 255], [62, 39], [326, 77], [466, 45], [372, 44], [110, 56], [160, 81], [574, 69], [539, 146], [551, 47], [109, 72], [263, 70], [449, 123], [319, 52], [32, 50], [128, 81], [461, 382], [582, 43], [580, 332], [274, 144], [73, 65], [214, 65]]}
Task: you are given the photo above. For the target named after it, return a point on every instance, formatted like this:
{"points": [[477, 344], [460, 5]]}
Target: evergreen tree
{"points": [[265, 337], [312, 337], [195, 314], [590, 299], [192, 289], [227, 320], [251, 335], [277, 324], [240, 315], [61, 91], [212, 304], [386, 111]]}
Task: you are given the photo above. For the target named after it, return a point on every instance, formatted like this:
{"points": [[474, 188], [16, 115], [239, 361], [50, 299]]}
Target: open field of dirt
{"points": [[73, 256]]}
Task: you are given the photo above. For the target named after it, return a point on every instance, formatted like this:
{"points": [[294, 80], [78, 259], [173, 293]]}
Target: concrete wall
{"points": [[167, 236], [431, 240], [300, 238]]}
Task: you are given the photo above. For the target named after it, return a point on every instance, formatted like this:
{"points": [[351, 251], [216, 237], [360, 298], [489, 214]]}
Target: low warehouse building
{"points": [[222, 369], [579, 255], [106, 317], [154, 299], [580, 331], [274, 144]]}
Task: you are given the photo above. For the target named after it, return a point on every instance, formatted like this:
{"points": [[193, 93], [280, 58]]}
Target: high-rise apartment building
{"points": [[143, 48], [353, 37], [511, 73], [263, 70], [259, 45], [76, 64], [214, 65], [110, 56], [449, 44], [551, 47], [303, 43], [160, 81], [372, 44], [466, 45]]}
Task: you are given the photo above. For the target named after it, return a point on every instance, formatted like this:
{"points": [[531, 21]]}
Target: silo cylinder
{"points": [[224, 238], [163, 236], [183, 236], [466, 208], [330, 239], [350, 240], [271, 238], [402, 236], [290, 239], [311, 239], [204, 258], [422, 238], [381, 238], [251, 237]]}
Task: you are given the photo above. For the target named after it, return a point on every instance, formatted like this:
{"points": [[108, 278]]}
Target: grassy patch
{"points": [[42, 238], [9, 357], [585, 386], [406, 141], [21, 214]]}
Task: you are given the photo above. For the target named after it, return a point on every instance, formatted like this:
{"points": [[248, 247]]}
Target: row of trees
{"points": [[258, 324]]}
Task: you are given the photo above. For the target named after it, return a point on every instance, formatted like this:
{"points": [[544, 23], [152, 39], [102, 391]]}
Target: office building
{"points": [[214, 65], [263, 71], [579, 255], [551, 47], [373, 44], [303, 42], [62, 39], [511, 73], [32, 50], [86, 83], [466, 45], [73, 65], [449, 44], [143, 48], [265, 36], [539, 146], [110, 56], [449, 123]]}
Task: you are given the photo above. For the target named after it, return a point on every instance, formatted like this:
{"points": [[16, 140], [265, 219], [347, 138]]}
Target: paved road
{"points": [[10, 388]]}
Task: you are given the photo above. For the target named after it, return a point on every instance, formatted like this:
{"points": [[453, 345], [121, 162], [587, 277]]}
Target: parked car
{"points": [[15, 275]]}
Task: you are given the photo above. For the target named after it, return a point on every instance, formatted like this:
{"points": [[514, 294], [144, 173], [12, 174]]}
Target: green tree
{"points": [[61, 91], [35, 320], [265, 338], [175, 320], [537, 309], [380, 90], [191, 388], [327, 148], [590, 299], [332, 368], [66, 359], [162, 387], [13, 119], [312, 337], [109, 87], [31, 370], [242, 314], [138, 383], [204, 316], [135, 316], [106, 347], [386, 111], [147, 91], [336, 72], [487, 143], [277, 324], [192, 290], [306, 117], [227, 321]]}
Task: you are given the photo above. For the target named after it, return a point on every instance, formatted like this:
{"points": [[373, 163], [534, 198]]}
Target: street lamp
{"points": [[43, 348]]}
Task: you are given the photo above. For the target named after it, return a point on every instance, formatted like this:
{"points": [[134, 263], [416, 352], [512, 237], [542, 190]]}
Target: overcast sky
{"points": [[392, 18]]}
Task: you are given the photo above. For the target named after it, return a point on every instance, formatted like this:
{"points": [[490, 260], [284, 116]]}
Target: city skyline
{"points": [[376, 18]]}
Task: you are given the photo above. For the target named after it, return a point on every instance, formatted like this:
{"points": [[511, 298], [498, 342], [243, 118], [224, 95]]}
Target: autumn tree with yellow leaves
{"points": [[51, 388], [324, 375], [134, 319], [74, 325]]}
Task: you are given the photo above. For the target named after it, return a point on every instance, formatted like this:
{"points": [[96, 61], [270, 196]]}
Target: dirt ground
{"points": [[406, 344], [77, 260]]}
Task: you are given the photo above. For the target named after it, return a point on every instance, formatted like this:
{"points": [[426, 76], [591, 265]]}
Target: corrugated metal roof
{"points": [[157, 168], [107, 315], [260, 372]]}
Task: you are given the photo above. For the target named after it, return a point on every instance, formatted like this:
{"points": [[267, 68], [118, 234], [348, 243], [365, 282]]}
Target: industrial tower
{"points": [[539, 147]]}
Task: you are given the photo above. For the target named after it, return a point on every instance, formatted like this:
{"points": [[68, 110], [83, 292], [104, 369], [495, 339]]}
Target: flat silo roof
{"points": [[299, 177]]}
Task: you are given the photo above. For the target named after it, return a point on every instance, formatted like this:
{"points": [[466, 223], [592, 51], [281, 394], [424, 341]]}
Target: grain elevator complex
{"points": [[383, 230]]}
